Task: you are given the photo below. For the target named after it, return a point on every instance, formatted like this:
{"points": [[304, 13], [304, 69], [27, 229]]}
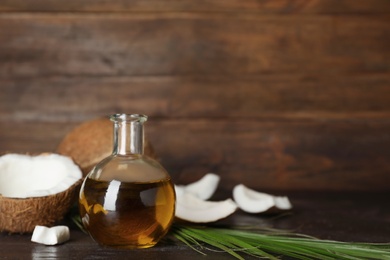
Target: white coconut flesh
{"points": [[192, 204], [193, 209], [282, 203], [203, 188], [50, 236], [25, 176], [252, 201]]}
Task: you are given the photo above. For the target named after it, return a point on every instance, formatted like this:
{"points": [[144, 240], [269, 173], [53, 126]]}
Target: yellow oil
{"points": [[127, 214]]}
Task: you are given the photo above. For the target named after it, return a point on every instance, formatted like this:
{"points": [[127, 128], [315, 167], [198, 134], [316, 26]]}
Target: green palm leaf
{"points": [[237, 242]]}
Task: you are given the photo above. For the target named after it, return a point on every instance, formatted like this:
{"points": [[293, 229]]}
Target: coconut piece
{"points": [[50, 236], [36, 190], [282, 203], [192, 209], [203, 188], [91, 142], [252, 201]]}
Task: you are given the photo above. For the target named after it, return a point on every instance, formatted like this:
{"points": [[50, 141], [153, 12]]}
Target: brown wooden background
{"points": [[281, 94]]}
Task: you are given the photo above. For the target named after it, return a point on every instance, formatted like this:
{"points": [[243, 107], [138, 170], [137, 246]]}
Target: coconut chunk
{"points": [[252, 201], [25, 176], [50, 236], [191, 204], [283, 203], [204, 188], [193, 209]]}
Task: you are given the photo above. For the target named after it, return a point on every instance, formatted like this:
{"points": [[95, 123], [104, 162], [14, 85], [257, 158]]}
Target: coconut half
{"points": [[36, 190], [252, 201], [91, 142]]}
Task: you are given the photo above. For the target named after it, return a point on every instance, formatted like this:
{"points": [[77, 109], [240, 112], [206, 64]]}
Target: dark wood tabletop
{"points": [[358, 217]]}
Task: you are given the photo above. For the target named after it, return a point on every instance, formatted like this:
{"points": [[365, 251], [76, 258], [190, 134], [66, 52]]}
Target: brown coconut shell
{"points": [[22, 215], [92, 141]]}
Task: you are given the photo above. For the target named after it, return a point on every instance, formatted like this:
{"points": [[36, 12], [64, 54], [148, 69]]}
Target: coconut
{"points": [[50, 236], [92, 141], [36, 190], [252, 201], [193, 209], [192, 205], [204, 188]]}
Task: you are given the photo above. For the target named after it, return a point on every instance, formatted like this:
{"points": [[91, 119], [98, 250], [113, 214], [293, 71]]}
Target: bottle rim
{"points": [[128, 117]]}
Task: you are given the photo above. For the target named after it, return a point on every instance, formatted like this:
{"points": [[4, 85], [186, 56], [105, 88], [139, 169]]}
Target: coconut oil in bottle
{"points": [[127, 200]]}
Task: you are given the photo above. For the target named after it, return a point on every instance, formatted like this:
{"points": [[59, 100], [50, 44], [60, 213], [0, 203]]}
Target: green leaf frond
{"points": [[265, 245]]}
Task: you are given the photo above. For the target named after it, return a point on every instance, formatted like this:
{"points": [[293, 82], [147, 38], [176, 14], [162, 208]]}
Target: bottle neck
{"points": [[128, 135]]}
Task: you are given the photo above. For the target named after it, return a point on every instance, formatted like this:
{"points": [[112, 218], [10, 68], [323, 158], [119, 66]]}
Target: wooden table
{"points": [[361, 217]]}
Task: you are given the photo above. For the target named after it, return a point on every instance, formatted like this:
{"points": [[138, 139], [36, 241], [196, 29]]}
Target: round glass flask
{"points": [[128, 199]]}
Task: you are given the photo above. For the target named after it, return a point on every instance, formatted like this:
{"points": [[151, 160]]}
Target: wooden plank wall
{"points": [[278, 95]]}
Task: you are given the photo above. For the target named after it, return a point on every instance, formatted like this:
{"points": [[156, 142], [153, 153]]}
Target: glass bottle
{"points": [[127, 200]]}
